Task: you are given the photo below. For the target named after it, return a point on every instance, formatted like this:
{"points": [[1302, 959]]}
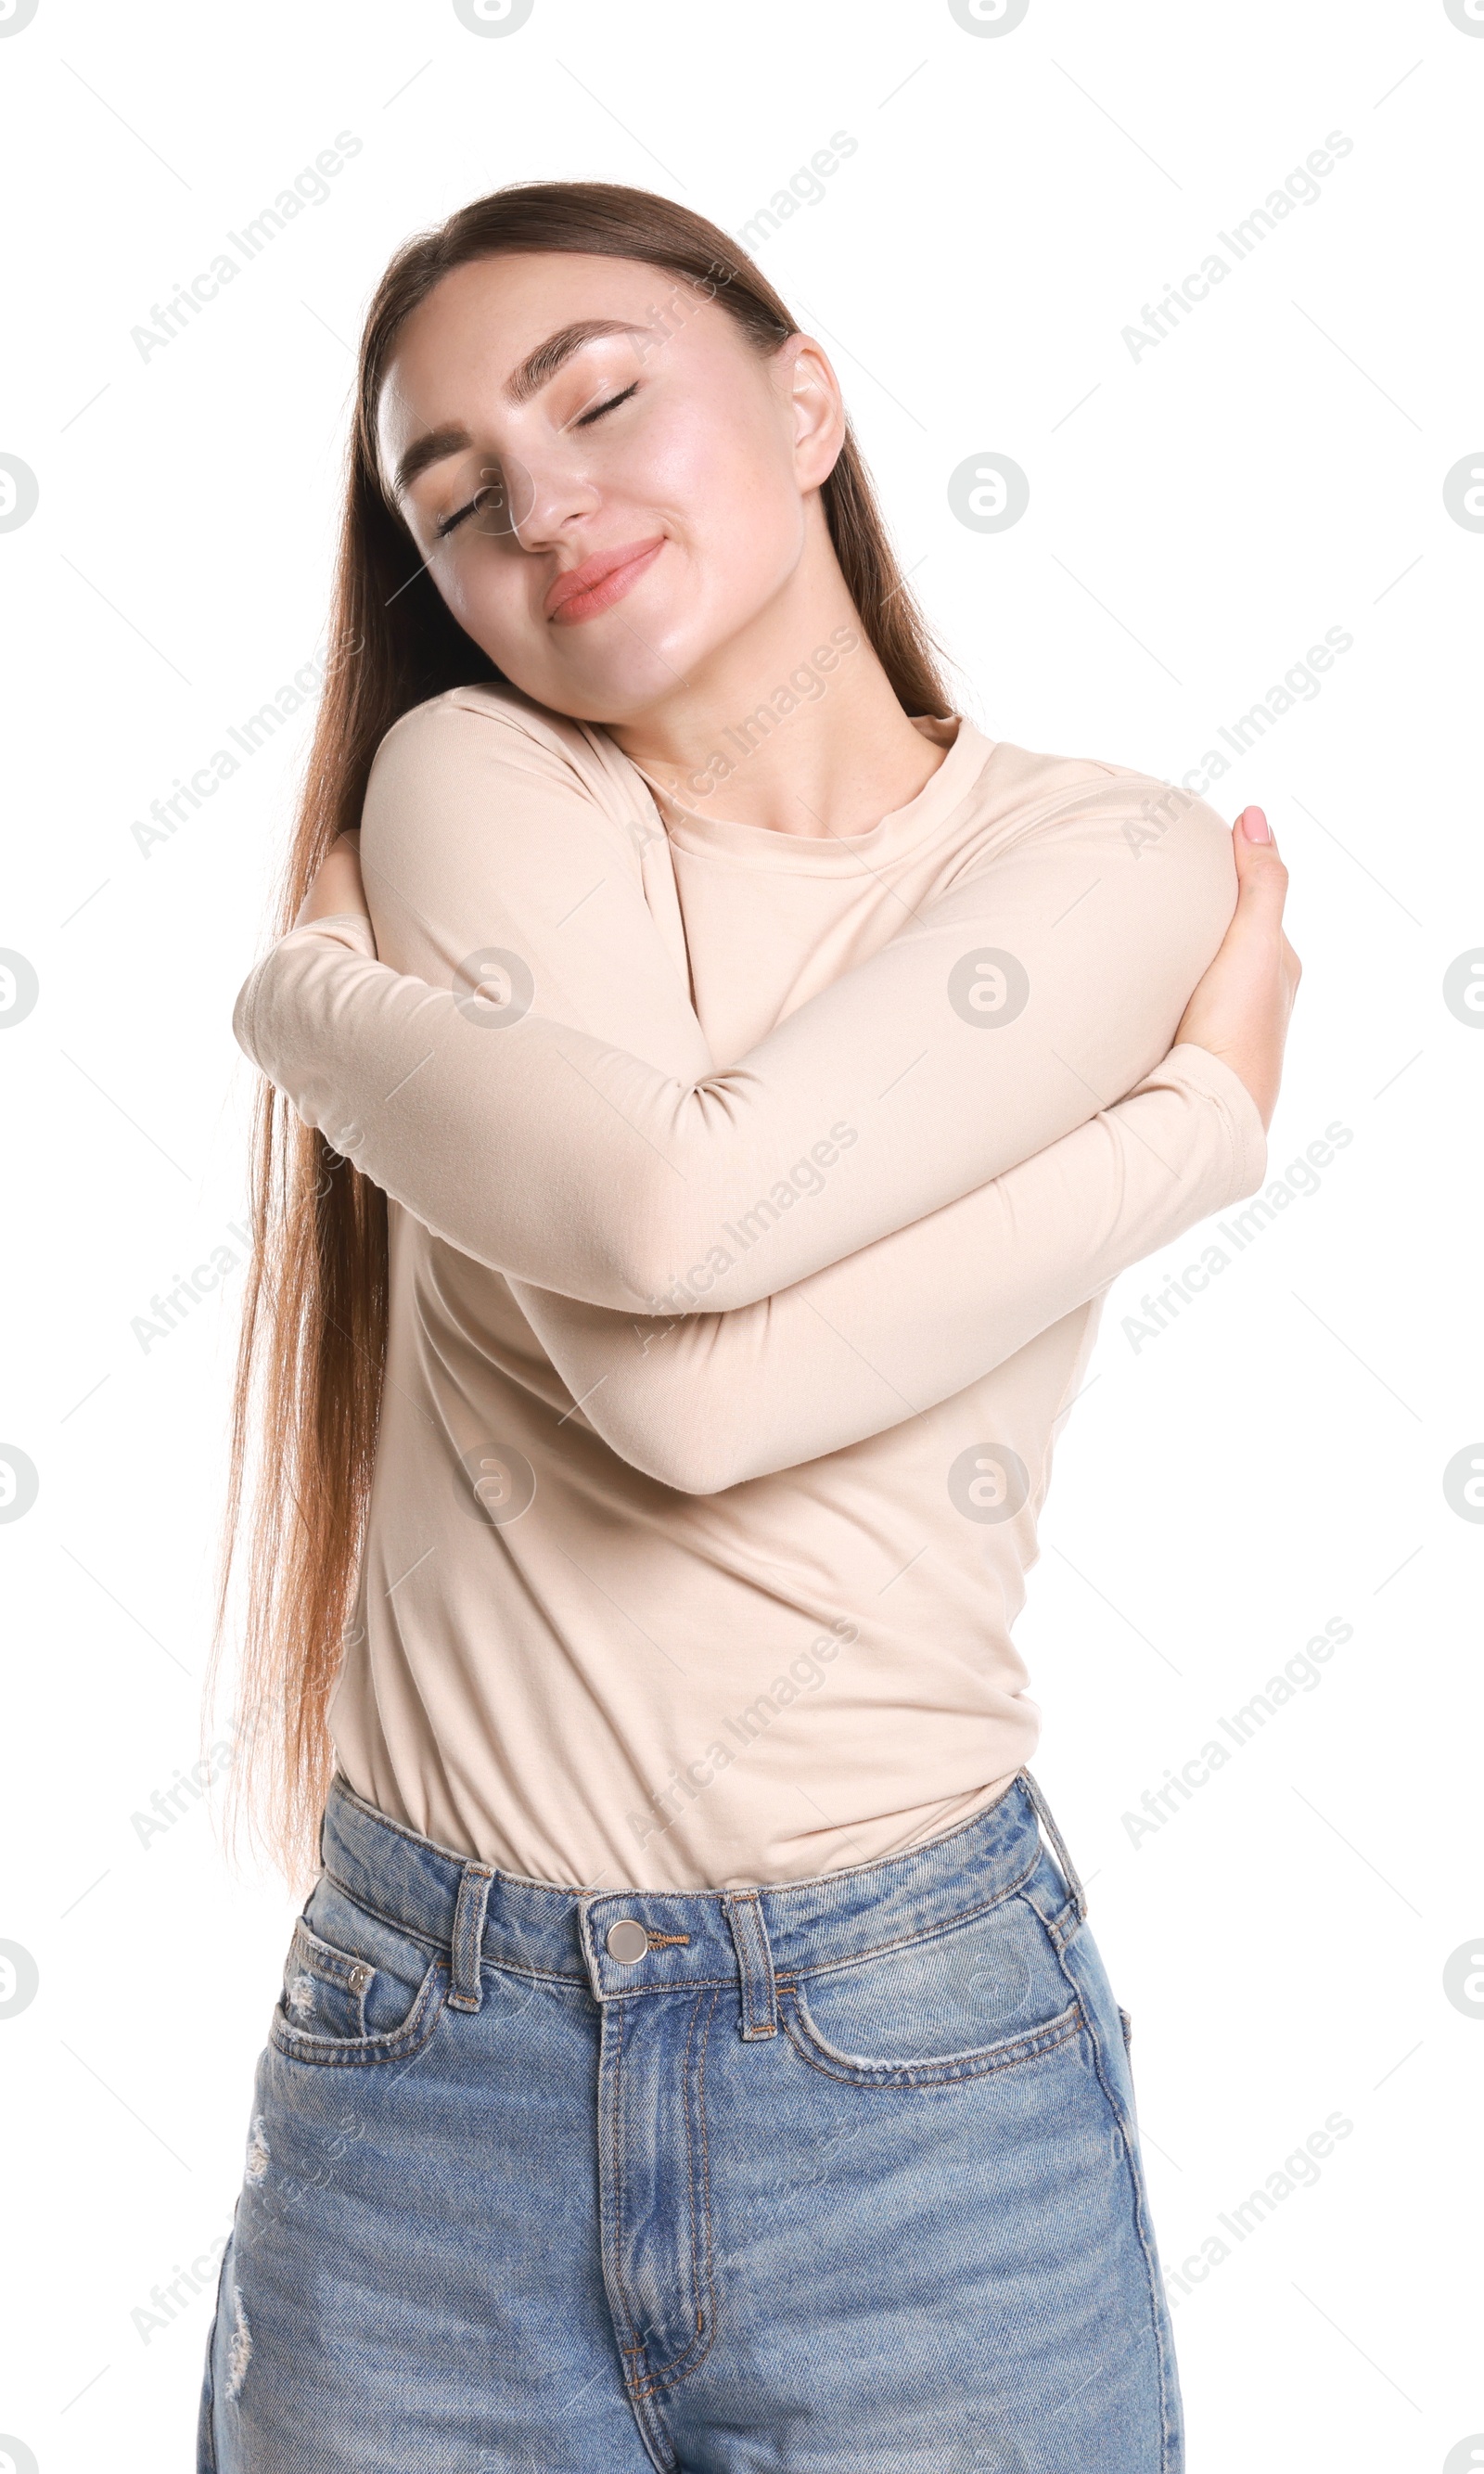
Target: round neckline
{"points": [[966, 751]]}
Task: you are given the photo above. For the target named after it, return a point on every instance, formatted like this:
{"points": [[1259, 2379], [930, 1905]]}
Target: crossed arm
{"points": [[993, 1178]]}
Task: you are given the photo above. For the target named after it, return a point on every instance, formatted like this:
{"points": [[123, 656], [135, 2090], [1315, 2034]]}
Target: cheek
{"points": [[711, 450], [490, 597], [727, 491]]}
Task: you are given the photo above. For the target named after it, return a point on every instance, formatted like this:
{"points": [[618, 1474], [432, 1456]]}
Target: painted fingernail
{"points": [[1254, 825]]}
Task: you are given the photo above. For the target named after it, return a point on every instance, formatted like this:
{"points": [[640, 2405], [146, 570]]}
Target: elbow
{"points": [[684, 1447], [242, 1024], [710, 1454], [698, 1478], [686, 1463], [645, 1272]]}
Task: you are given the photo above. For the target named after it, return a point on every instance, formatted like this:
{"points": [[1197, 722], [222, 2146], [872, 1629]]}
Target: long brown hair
{"points": [[313, 1338]]}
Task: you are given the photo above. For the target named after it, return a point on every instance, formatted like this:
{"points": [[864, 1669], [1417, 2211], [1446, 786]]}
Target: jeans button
{"points": [[627, 1942]]}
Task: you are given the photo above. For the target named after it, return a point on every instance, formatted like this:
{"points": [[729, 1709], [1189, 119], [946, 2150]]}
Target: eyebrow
{"points": [[525, 382], [549, 358], [431, 448]]}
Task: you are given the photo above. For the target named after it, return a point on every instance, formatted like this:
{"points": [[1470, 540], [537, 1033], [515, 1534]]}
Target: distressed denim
{"points": [[836, 2176]]}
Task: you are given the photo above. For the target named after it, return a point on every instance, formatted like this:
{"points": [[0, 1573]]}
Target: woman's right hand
{"points": [[1240, 1009]]}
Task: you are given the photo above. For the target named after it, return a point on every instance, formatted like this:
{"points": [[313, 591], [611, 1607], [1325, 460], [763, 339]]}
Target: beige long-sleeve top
{"points": [[752, 1200]]}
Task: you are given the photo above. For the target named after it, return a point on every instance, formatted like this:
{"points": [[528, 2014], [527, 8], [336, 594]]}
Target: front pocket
{"points": [[928, 2070], [325, 1989], [982, 1994], [357, 1991]]}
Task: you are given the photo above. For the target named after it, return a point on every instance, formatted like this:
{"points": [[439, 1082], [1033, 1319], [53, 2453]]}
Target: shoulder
{"points": [[1024, 787], [468, 733], [1086, 804], [483, 779], [1100, 856], [482, 724]]}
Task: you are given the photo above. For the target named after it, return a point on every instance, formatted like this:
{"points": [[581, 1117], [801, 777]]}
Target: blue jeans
{"points": [[838, 2176]]}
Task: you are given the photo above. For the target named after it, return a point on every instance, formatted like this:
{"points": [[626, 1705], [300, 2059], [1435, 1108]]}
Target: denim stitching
{"points": [[526, 1881], [411, 1932], [1059, 1848], [615, 2116], [207, 2417], [1062, 1927], [711, 2298], [711, 2316], [691, 2360], [1169, 2458], [355, 2052], [652, 2430], [879, 1863], [852, 1873], [358, 1898], [336, 1966], [931, 1932], [855, 1958], [636, 2382], [340, 1785], [1064, 1924], [1009, 2054], [466, 1940], [698, 2261], [1169, 2444], [310, 1960], [757, 2023], [655, 2380]]}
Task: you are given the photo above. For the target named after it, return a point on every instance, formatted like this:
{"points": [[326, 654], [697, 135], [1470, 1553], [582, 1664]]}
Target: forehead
{"points": [[461, 346]]}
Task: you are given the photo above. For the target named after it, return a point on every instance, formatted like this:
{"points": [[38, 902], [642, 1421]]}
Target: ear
{"points": [[818, 411]]}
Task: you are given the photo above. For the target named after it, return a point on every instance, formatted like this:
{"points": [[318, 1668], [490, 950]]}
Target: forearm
{"points": [[707, 1400], [559, 1158], [547, 1147], [538, 1150]]}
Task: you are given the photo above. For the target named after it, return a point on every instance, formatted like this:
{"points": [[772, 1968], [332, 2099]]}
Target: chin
{"points": [[608, 705], [616, 680]]}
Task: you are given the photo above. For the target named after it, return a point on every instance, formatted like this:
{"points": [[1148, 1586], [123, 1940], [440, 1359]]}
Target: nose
{"points": [[535, 504]]}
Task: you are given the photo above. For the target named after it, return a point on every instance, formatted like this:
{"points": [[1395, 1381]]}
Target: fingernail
{"points": [[1254, 825]]}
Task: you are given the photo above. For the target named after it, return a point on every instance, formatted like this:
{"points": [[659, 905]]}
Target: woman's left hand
{"points": [[337, 884], [1240, 1008]]}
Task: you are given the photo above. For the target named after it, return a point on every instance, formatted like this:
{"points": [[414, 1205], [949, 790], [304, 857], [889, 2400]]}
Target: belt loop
{"points": [[754, 1963], [473, 1895], [1069, 1870]]}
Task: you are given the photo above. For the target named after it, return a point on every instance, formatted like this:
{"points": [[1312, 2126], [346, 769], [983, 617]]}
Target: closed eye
{"points": [[598, 409], [452, 522]]}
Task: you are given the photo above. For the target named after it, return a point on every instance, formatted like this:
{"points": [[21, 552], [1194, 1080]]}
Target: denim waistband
{"points": [[626, 1942]]}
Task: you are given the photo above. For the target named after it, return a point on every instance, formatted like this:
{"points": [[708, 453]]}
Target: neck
{"points": [[792, 725]]}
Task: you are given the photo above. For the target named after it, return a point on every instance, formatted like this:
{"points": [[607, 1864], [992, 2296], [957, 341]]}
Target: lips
{"points": [[600, 581]]}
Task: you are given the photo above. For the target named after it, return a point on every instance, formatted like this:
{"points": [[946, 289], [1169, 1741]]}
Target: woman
{"points": [[729, 1082]]}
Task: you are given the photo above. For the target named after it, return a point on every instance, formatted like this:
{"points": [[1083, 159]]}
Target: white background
{"points": [[1198, 517]]}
